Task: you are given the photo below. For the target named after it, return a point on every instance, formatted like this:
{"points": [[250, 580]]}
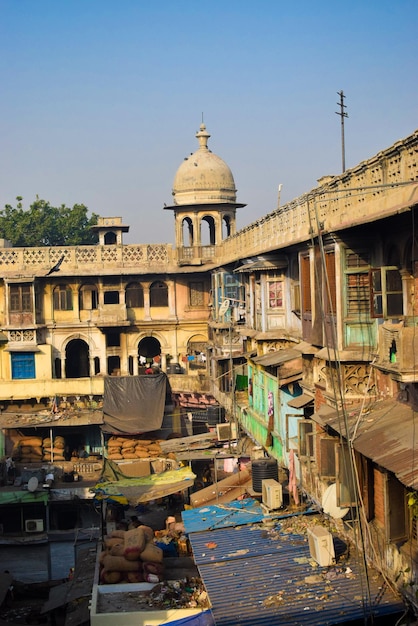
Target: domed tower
{"points": [[205, 203]]}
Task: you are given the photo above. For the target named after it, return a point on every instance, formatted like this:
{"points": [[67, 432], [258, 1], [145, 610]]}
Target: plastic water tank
{"points": [[262, 469]]}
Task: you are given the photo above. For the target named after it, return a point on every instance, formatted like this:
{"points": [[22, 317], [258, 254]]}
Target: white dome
{"points": [[203, 177]]}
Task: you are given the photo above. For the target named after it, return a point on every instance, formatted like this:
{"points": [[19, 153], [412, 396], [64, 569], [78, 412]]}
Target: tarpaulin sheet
{"points": [[201, 619], [134, 404], [23, 497], [136, 490]]}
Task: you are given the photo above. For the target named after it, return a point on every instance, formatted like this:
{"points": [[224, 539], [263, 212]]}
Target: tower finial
{"points": [[203, 137]]}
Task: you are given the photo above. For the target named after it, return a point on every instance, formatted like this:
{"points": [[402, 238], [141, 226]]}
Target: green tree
{"points": [[45, 225]]}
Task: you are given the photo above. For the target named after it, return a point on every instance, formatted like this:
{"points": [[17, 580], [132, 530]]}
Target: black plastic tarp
{"points": [[134, 404]]}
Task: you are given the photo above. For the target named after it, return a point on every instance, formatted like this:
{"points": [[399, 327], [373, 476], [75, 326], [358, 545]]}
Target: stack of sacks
{"points": [[53, 450], [28, 450], [121, 448], [131, 556]]}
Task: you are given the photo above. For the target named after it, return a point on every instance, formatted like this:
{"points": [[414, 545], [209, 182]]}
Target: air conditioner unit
{"points": [[226, 431], [34, 525], [321, 545], [272, 493]]}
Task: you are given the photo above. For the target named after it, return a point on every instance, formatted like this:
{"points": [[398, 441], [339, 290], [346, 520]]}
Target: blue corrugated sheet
{"points": [[236, 513], [266, 577], [213, 516]]}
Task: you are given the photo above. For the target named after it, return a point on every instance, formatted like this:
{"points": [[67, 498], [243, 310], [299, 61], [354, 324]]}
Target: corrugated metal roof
{"points": [[214, 516], [390, 440], [265, 577], [300, 401], [384, 434], [277, 357], [261, 263], [329, 354], [48, 419]]}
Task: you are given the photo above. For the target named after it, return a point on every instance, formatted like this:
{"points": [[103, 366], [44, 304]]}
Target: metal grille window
{"points": [[21, 298], [23, 365], [63, 298], [196, 294]]}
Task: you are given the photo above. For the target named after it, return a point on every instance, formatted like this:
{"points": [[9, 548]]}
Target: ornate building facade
{"points": [[302, 325]]}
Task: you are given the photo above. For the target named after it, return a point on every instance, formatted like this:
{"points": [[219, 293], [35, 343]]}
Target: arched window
{"points": [[63, 298], [207, 231], [226, 226], [187, 232], [110, 239], [134, 296], [77, 359], [88, 297], [159, 294]]}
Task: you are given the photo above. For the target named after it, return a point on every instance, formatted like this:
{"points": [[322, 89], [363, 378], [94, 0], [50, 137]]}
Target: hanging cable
{"points": [[315, 226]]}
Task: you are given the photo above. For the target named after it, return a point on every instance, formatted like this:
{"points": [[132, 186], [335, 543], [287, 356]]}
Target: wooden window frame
{"points": [[306, 439], [325, 462], [381, 293], [305, 283], [275, 293], [63, 298], [346, 490], [159, 294], [330, 284], [134, 295], [21, 298]]}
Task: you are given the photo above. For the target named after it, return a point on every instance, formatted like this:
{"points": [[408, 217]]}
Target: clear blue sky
{"points": [[101, 99]]}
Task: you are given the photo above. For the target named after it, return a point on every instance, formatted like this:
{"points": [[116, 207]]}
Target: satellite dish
{"points": [[224, 307], [329, 503], [33, 484]]}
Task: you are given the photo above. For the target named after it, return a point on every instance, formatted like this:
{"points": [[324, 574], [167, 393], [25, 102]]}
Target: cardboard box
{"points": [[135, 469]]}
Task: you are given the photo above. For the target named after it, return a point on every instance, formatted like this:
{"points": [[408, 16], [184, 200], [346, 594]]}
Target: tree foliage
{"points": [[45, 225]]}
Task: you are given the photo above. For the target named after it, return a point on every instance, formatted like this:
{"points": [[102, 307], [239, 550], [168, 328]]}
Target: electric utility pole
{"points": [[342, 114]]}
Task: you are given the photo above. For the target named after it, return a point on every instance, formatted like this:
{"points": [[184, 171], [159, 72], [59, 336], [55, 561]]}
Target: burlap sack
{"points": [[148, 532], [119, 534], [118, 549], [110, 578], [151, 553], [109, 542], [135, 541], [31, 441], [120, 564], [141, 454], [135, 577], [153, 568]]}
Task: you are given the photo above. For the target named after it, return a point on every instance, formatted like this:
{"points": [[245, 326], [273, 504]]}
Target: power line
{"points": [[342, 114]]}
